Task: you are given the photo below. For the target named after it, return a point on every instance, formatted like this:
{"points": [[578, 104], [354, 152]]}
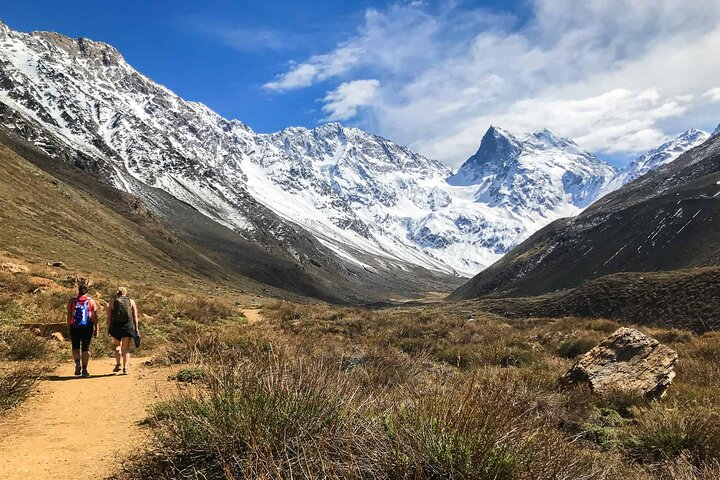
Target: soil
{"points": [[80, 427]]}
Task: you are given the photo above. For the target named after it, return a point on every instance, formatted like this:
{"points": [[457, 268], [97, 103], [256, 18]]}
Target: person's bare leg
{"points": [[85, 360], [126, 353], [117, 354]]}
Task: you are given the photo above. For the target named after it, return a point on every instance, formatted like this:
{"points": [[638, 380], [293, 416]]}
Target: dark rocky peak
{"points": [[497, 146]]}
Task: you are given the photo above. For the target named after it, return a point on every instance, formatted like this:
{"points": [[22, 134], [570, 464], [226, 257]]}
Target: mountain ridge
{"points": [[376, 207], [663, 220]]}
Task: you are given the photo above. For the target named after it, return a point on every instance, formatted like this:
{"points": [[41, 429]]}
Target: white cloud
{"points": [[317, 69], [713, 94], [343, 102], [616, 75]]}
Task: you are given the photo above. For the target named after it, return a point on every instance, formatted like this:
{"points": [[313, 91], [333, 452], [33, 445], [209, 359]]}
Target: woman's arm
{"points": [[109, 319], [69, 316], [135, 317], [95, 319]]}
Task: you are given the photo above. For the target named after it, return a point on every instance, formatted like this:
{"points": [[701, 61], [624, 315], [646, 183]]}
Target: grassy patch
{"points": [[17, 382]]}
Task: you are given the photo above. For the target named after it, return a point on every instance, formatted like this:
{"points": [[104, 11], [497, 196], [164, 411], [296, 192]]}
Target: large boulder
{"points": [[627, 361]]}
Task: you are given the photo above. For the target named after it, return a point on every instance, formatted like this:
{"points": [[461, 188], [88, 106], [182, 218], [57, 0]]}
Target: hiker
{"points": [[123, 326], [82, 327]]}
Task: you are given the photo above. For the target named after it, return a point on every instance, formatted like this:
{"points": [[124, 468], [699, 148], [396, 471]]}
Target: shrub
{"points": [[480, 430], [674, 336], [24, 345], [575, 347], [601, 427], [660, 434], [260, 421], [191, 375], [17, 383]]}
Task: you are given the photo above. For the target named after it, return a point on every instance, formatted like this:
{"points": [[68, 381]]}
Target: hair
{"points": [[82, 289], [122, 292]]}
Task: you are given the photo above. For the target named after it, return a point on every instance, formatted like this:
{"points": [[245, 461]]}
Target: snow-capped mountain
{"points": [[330, 191], [534, 173], [665, 153]]}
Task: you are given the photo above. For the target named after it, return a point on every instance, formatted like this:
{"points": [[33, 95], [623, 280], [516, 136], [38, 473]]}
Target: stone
{"points": [[628, 361], [57, 336], [14, 268], [56, 264]]}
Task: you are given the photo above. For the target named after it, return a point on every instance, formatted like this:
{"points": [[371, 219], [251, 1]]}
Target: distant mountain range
{"points": [[336, 201], [663, 221]]}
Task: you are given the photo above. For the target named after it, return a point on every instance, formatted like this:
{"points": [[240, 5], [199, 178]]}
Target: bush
{"points": [[674, 336], [258, 421], [601, 429], [661, 434], [191, 375], [17, 383], [24, 345], [577, 346]]}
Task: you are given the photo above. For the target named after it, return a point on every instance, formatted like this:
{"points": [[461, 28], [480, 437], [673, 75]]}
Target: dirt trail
{"points": [[80, 427], [253, 315]]}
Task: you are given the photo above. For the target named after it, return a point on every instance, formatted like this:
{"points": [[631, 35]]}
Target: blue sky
{"points": [[618, 76]]}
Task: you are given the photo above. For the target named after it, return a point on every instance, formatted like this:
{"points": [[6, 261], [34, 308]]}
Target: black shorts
{"points": [[81, 336]]}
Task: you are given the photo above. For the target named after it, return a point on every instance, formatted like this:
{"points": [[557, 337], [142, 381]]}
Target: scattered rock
{"points": [[627, 361], [56, 264], [14, 268], [57, 336]]}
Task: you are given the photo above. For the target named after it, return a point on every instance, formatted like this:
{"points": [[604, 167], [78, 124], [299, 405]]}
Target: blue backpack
{"points": [[81, 314]]}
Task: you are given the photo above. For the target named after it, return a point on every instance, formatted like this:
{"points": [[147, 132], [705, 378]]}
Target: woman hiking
{"points": [[123, 326], [82, 324]]}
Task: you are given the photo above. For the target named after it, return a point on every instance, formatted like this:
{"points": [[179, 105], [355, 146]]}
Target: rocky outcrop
{"points": [[627, 361], [14, 268]]}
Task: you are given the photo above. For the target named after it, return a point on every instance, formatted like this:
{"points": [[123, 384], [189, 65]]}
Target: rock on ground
{"points": [[14, 268], [627, 361]]}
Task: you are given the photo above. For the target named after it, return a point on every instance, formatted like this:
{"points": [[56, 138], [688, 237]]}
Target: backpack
{"points": [[122, 311], [81, 313]]}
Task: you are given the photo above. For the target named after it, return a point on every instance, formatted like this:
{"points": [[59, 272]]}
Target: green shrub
{"points": [[601, 429], [24, 345], [191, 375], [660, 434], [575, 347], [257, 421]]}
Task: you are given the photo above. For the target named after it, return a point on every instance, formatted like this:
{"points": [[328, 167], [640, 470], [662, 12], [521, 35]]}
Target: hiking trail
{"points": [[80, 428], [253, 315], [84, 428]]}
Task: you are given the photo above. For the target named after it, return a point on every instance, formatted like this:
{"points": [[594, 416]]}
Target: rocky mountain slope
{"points": [[364, 200], [338, 202], [664, 220], [665, 153]]}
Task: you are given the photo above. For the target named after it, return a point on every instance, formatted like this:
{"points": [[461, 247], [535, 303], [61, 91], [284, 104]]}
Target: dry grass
{"points": [[440, 391], [17, 382]]}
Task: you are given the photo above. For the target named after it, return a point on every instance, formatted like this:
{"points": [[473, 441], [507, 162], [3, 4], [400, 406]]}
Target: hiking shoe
{"points": [[117, 368], [126, 371], [77, 370], [85, 374]]}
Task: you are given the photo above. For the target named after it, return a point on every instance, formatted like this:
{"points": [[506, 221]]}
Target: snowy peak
{"points": [[664, 154], [375, 205], [497, 148], [534, 173]]}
